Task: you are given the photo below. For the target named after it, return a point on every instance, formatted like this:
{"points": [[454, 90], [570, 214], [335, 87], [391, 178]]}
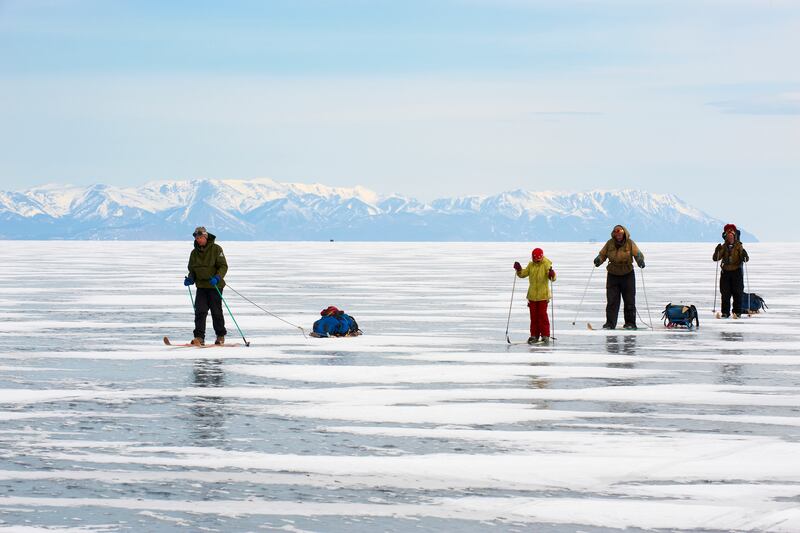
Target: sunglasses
{"points": [[195, 235]]}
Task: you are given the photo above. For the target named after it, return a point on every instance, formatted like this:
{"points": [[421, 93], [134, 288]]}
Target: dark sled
{"points": [[681, 316]]}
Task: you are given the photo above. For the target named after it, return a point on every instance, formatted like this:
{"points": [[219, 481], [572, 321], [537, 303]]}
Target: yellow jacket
{"points": [[538, 286]]}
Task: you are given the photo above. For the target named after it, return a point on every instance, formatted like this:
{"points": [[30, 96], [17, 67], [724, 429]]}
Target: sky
{"points": [[431, 98]]}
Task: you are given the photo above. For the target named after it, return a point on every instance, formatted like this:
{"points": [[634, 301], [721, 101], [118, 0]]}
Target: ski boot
{"points": [[197, 341], [608, 326], [533, 340], [220, 340], [545, 340], [630, 326]]}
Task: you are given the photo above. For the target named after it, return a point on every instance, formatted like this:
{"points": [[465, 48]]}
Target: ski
{"points": [[732, 316], [190, 345], [526, 343], [620, 330]]}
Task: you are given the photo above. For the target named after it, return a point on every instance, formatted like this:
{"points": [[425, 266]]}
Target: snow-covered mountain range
{"points": [[263, 209]]}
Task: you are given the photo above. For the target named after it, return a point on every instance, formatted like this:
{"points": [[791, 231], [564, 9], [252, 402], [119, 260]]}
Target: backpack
{"points": [[352, 326], [680, 315], [325, 326], [752, 302]]}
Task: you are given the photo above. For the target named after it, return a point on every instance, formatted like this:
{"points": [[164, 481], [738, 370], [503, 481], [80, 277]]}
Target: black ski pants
{"points": [[208, 299], [731, 283], [624, 286]]}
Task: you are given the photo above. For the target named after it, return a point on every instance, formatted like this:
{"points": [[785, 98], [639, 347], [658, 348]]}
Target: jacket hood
{"points": [[627, 233], [736, 235], [211, 239]]}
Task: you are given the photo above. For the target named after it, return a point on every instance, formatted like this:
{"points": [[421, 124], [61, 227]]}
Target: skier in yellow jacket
{"points": [[538, 272]]}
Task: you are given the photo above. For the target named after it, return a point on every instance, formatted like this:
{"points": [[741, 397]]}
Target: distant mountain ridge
{"points": [[263, 209]]}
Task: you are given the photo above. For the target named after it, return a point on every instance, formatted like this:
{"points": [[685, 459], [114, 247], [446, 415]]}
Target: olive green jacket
{"points": [[731, 257], [206, 262], [620, 255]]}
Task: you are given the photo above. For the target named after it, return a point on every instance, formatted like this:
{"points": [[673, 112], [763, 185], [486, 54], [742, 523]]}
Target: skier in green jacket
{"points": [[207, 269]]}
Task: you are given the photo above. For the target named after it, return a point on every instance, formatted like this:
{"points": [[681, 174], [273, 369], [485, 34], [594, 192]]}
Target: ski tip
{"points": [[166, 341], [589, 326]]}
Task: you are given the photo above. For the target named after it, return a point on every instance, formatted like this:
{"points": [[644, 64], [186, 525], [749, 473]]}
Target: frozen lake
{"points": [[428, 422]]}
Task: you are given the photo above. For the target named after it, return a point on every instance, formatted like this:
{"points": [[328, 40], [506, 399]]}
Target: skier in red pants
{"points": [[538, 272]]}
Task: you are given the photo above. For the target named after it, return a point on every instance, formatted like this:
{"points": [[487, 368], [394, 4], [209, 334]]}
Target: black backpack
{"points": [[681, 315]]}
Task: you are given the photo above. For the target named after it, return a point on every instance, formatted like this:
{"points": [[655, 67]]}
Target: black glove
{"points": [[598, 260], [745, 257], [640, 262], [517, 266]]}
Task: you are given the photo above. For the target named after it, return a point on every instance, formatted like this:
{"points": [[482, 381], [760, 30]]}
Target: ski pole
{"points": [[246, 343], [644, 288], [584, 295], [716, 273], [508, 322], [190, 296], [747, 277], [268, 312], [552, 313]]}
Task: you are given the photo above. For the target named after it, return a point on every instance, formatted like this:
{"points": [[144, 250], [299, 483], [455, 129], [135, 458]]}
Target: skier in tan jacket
{"points": [[621, 251]]}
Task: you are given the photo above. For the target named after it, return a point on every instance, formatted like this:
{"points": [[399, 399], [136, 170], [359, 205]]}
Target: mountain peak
{"points": [[266, 209]]}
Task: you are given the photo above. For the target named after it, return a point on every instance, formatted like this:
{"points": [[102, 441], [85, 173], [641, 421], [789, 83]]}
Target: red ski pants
{"points": [[540, 324]]}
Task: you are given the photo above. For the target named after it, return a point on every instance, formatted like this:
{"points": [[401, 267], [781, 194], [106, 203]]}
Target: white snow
{"points": [[429, 419]]}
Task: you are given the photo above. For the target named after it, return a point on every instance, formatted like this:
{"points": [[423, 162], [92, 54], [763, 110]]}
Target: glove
{"points": [[188, 281], [640, 262], [745, 257], [598, 260], [214, 280], [551, 274], [517, 266]]}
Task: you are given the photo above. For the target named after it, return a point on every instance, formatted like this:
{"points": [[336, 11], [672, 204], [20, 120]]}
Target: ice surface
{"points": [[429, 421]]}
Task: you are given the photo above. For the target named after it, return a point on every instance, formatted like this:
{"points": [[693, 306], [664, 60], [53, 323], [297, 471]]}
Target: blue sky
{"points": [[426, 98]]}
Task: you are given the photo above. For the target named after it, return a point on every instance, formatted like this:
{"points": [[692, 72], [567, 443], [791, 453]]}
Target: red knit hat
{"points": [[328, 311], [537, 254], [729, 227]]}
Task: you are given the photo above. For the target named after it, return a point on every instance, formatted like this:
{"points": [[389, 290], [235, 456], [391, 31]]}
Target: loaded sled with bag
{"points": [[752, 303], [335, 323], [680, 316]]}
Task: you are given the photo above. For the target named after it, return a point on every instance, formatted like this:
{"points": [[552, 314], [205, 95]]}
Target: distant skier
{"points": [[731, 255], [620, 251], [207, 268], [538, 272]]}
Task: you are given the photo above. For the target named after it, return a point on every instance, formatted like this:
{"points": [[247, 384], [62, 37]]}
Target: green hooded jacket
{"points": [[620, 255], [206, 262]]}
